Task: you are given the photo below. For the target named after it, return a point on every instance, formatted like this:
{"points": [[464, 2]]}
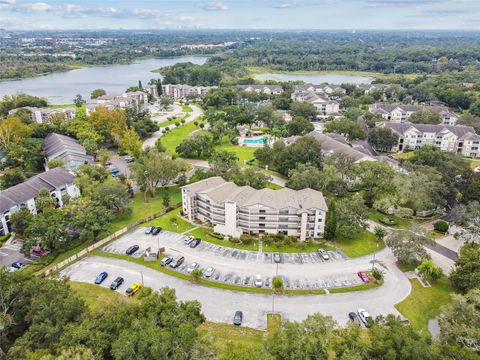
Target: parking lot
{"points": [[10, 253], [240, 267], [219, 305]]}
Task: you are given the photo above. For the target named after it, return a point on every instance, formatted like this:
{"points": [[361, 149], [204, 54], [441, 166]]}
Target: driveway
{"points": [[10, 253], [219, 305]]}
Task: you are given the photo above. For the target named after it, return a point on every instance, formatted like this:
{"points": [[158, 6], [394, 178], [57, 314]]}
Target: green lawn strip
{"points": [[424, 304], [97, 297], [204, 234], [363, 244], [362, 287], [296, 247], [244, 153], [274, 321], [186, 108], [175, 136], [273, 186], [376, 215], [142, 210], [171, 222], [403, 155], [172, 121]]}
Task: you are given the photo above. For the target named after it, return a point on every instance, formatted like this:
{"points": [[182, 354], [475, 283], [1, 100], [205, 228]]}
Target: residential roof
{"points": [[56, 142], [222, 191], [461, 131], [261, 87], [19, 194]]}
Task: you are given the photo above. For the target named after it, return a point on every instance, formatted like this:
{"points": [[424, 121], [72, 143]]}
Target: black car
{"points": [[237, 318], [132, 249], [156, 230], [277, 258], [354, 317], [116, 283], [195, 243]]}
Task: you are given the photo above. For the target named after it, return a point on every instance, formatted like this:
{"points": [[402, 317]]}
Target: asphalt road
{"points": [[10, 253], [219, 305]]}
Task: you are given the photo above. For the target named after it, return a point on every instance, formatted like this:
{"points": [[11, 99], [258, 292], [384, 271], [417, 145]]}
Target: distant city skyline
{"points": [[241, 14]]}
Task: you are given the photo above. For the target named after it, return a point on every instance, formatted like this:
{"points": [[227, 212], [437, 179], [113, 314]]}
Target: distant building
{"points": [[45, 115], [152, 90], [58, 182], [368, 88], [459, 139], [181, 91], [264, 89], [114, 101], [322, 103], [233, 210], [68, 150], [320, 88], [401, 113]]}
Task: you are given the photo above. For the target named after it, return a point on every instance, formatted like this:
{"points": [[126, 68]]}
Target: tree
{"points": [[112, 195], [441, 226], [140, 120], [110, 124], [47, 229], [351, 217], [277, 284], [305, 150], [20, 220], [382, 139], [460, 321], [78, 100], [223, 163], [12, 177], [196, 145], [45, 201], [165, 199], [305, 176], [97, 93], [130, 143], [196, 275], [466, 275], [375, 178], [408, 245], [379, 233], [88, 218], [352, 130], [467, 120], [425, 116], [331, 221], [467, 216], [303, 109], [103, 155], [266, 115], [165, 101], [429, 270], [250, 176], [299, 126], [13, 131], [55, 163]]}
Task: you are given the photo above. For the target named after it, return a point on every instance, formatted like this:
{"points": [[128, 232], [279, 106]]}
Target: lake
{"points": [[61, 88], [336, 79]]}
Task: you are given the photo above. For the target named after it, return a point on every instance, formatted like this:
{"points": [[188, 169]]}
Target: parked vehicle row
{"points": [[117, 283], [154, 230], [192, 241], [17, 265], [361, 317]]}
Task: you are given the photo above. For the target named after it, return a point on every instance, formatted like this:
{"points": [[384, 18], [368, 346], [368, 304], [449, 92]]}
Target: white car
{"points": [[192, 267], [209, 272], [188, 239], [324, 254], [258, 281], [365, 316]]}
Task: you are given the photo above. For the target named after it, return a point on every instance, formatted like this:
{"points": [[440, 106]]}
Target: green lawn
{"points": [[141, 210], [172, 222], [244, 153], [176, 135], [203, 233], [376, 215], [97, 297], [403, 155], [171, 122], [361, 245], [424, 304], [186, 108], [273, 186], [296, 247]]}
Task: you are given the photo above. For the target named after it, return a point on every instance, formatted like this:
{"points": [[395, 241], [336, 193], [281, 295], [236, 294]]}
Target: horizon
{"points": [[283, 15]]}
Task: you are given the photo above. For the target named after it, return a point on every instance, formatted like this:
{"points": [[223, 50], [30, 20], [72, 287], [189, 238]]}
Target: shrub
{"points": [[196, 275], [234, 240], [246, 239], [377, 274], [277, 284], [216, 236], [441, 226], [388, 221]]}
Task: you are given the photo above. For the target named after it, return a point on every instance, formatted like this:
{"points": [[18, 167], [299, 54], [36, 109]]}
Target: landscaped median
{"points": [[155, 265]]}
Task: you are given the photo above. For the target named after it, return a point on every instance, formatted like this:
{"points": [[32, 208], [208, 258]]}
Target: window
{"points": [[261, 211], [261, 218]]}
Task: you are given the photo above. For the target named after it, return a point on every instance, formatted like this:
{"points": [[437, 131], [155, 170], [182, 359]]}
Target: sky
{"points": [[240, 14]]}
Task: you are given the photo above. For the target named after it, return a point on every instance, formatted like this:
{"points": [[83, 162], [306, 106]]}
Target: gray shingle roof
{"points": [[18, 194], [459, 130], [332, 143]]}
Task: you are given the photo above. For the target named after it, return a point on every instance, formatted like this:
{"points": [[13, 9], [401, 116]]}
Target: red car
{"points": [[362, 275]]}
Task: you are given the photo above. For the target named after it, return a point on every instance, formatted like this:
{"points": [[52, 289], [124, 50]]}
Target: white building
{"points": [[322, 103], [152, 90], [233, 210], [181, 91], [401, 113], [265, 89], [44, 115], [320, 88], [58, 182], [115, 101], [458, 139]]}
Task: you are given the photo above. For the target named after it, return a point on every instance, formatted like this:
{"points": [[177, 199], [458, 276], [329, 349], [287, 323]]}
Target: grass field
{"points": [[97, 297], [424, 304], [172, 222], [141, 210], [176, 135], [403, 155], [203, 233], [186, 108], [361, 245], [244, 153]]}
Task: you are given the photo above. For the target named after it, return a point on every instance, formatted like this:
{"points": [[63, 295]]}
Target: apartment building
{"points": [[58, 182], [45, 115], [233, 210], [320, 88], [67, 149], [181, 91], [265, 89], [152, 90], [323, 104], [115, 101], [458, 139], [401, 113]]}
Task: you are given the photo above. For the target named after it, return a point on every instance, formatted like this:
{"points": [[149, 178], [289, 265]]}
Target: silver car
{"points": [[209, 272], [192, 267], [323, 254], [188, 240]]}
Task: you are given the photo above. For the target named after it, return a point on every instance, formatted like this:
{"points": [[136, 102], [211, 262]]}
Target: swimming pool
{"points": [[257, 141]]}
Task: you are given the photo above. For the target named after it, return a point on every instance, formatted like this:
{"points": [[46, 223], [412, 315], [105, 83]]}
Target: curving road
{"points": [[219, 305]]}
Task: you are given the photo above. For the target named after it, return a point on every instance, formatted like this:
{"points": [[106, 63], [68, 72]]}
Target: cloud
{"points": [[400, 3], [7, 2], [297, 4], [213, 6]]}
